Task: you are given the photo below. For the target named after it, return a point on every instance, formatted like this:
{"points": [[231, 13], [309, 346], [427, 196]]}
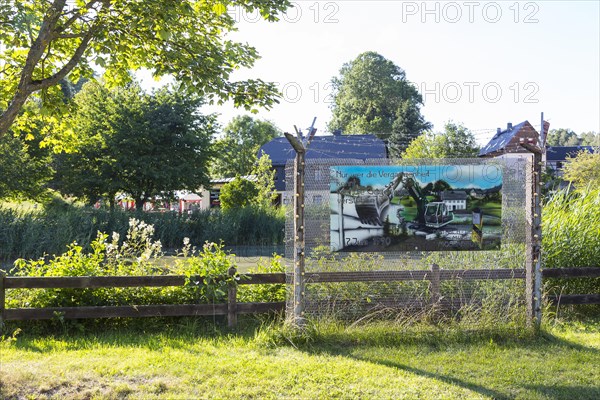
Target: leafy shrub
{"points": [[238, 193], [264, 293], [207, 273]]}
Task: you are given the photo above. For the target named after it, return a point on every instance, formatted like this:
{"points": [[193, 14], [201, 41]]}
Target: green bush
{"points": [[136, 255], [264, 293], [207, 271]]}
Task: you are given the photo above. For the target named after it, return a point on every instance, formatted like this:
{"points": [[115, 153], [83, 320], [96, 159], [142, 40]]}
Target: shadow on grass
{"points": [[337, 341], [150, 333], [484, 391], [344, 345], [566, 392]]}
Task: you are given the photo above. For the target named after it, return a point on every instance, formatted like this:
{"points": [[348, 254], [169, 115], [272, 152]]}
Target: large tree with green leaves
{"points": [[25, 165], [258, 192], [147, 145], [236, 151], [583, 169], [42, 42], [455, 142], [567, 137], [372, 95]]}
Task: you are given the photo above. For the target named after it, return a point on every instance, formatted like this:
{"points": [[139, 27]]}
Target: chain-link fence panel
{"points": [[399, 238]]}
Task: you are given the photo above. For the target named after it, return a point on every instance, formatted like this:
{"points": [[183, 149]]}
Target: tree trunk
{"points": [[139, 204], [111, 202], [8, 116], [27, 84]]}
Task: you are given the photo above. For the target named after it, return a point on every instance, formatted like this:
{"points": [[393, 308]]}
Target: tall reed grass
{"points": [[571, 229], [34, 233], [571, 238]]}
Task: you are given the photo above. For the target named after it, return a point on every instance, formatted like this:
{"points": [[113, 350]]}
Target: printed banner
{"points": [[416, 208]]}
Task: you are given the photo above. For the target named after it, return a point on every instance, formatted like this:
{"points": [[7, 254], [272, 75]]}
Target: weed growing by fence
{"points": [[264, 293], [207, 273]]}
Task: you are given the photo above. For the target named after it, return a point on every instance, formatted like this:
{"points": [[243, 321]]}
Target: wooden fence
{"points": [[570, 273], [233, 308]]}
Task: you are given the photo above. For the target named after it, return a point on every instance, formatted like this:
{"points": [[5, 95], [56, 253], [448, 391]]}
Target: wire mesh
{"points": [[468, 282]]}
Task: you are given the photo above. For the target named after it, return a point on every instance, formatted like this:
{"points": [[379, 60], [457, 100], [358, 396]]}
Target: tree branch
{"points": [[70, 35], [33, 57], [75, 17], [36, 85]]}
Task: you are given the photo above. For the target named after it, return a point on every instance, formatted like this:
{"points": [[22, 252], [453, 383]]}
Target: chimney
{"points": [[509, 126], [498, 131]]}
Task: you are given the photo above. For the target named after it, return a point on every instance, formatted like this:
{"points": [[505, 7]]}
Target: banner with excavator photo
{"points": [[416, 208]]}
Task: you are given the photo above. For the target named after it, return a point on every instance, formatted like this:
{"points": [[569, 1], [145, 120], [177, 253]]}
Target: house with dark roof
{"points": [[337, 146], [557, 155], [506, 142]]}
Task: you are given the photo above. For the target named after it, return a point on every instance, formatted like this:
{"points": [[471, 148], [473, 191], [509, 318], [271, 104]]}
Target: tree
{"points": [[265, 182], [237, 150], [238, 193], [260, 192], [372, 95], [147, 145], [88, 170], [590, 139], [458, 141], [584, 169], [25, 166], [44, 41], [566, 137], [427, 145], [455, 142], [562, 137]]}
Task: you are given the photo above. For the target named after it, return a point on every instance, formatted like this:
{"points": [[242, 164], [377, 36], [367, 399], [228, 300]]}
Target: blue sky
{"points": [[481, 63], [458, 176]]}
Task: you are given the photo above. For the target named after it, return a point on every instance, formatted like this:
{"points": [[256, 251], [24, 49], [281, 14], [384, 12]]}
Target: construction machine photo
{"points": [[372, 206]]}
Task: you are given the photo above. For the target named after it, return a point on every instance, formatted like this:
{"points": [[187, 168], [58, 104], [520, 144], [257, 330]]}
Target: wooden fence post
{"points": [[533, 281], [232, 300], [299, 237], [2, 298], [435, 285]]}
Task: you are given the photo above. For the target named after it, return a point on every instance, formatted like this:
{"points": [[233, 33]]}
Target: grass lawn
{"points": [[330, 361]]}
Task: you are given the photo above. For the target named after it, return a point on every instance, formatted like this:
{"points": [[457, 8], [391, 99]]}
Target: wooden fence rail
{"points": [[232, 308], [572, 273]]}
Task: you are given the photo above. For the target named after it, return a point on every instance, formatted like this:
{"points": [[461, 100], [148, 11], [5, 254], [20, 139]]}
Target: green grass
{"points": [[382, 361]]}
